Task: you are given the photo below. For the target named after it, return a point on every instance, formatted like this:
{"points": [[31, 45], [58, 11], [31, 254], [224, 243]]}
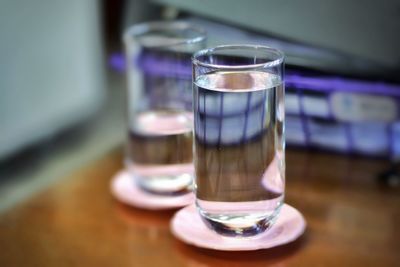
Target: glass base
{"points": [[166, 185], [248, 223], [227, 229], [168, 179]]}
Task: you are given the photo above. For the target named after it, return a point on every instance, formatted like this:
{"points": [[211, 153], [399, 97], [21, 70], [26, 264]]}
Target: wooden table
{"points": [[352, 221]]}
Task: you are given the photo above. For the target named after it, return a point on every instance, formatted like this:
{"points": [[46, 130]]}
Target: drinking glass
{"points": [[159, 105], [238, 102]]}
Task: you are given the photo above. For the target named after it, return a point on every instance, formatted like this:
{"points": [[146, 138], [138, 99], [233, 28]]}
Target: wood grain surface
{"points": [[352, 221]]}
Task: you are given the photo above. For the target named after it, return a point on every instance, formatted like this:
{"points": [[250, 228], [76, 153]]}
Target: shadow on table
{"points": [[193, 256], [156, 223], [144, 218]]}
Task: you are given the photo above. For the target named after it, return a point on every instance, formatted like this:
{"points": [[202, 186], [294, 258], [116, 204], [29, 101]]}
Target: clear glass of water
{"points": [[159, 105], [239, 147]]}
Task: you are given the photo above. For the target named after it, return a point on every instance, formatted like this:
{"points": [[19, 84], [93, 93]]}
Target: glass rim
{"points": [[267, 64], [141, 28]]}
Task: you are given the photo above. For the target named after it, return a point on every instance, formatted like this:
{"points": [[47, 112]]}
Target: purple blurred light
{"points": [[155, 66]]}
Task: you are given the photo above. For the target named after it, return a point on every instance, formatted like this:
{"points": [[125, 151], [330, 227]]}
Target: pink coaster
{"points": [[187, 226], [125, 190]]}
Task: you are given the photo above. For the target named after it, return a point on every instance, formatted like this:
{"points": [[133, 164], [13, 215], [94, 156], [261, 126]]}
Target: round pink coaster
{"points": [[187, 226], [125, 190]]}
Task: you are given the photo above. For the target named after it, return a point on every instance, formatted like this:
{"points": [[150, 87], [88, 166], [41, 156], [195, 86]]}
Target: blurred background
{"points": [[62, 83]]}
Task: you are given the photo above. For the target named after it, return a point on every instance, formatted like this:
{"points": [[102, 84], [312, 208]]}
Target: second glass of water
{"points": [[239, 137], [160, 119]]}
